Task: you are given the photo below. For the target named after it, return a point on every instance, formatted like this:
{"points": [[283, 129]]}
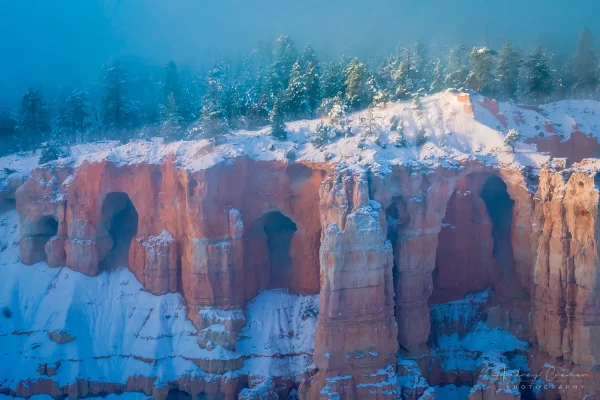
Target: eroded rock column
{"points": [[566, 306], [356, 335]]}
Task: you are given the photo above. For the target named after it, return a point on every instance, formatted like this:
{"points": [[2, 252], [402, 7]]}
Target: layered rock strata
{"points": [[378, 249]]}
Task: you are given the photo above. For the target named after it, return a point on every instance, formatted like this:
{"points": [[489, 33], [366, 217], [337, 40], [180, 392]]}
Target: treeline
{"points": [[281, 83]]}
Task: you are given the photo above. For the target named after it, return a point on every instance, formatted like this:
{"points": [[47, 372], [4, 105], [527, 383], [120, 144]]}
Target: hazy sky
{"points": [[49, 42]]}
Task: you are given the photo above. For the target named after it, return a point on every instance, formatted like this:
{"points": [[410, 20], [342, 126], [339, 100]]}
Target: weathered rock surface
{"points": [[379, 249]]}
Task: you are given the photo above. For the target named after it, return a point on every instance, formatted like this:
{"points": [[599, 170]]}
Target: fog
{"points": [[50, 43]]}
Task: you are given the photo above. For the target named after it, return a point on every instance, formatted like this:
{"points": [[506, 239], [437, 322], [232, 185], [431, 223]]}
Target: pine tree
{"points": [[403, 83], [172, 107], [172, 122], [172, 84], [79, 114], [537, 80], [296, 95], [438, 76], [213, 118], [416, 59], [368, 121], [457, 68], [511, 138], [384, 75], [116, 106], [309, 56], [33, 124], [313, 87], [507, 72], [277, 121], [585, 66], [481, 78], [333, 80], [358, 94], [285, 55]]}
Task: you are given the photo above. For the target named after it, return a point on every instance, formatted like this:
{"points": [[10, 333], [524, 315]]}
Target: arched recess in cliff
{"points": [[267, 252], [474, 245], [44, 229], [120, 222]]}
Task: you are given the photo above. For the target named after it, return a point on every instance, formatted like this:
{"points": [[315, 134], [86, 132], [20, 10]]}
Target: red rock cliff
{"points": [[378, 249]]}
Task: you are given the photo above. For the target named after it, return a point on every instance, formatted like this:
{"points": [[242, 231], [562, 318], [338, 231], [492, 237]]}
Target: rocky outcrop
{"points": [[356, 296], [566, 270], [378, 248]]}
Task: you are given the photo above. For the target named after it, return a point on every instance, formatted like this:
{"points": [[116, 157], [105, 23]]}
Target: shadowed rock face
{"points": [[377, 249], [120, 221]]}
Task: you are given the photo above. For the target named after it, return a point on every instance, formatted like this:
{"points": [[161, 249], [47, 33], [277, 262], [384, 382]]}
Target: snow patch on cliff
{"points": [[464, 336], [279, 334]]}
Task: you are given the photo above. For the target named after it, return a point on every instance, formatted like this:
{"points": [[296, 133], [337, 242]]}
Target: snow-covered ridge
{"points": [[457, 126]]}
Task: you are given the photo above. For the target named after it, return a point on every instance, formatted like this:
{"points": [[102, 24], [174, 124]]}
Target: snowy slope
{"points": [[453, 133], [107, 328]]}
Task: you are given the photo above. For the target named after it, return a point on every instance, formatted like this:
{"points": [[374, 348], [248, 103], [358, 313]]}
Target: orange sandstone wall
{"points": [[374, 295]]}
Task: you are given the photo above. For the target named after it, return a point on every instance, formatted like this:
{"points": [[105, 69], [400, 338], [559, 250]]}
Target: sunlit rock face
{"points": [[279, 279], [389, 262]]}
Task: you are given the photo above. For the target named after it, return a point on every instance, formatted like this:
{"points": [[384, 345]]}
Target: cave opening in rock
{"points": [[474, 244], [475, 275], [120, 223], [279, 230], [499, 206], [44, 229], [267, 251]]}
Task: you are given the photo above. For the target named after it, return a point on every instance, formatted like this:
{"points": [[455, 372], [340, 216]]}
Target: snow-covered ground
{"points": [[452, 134], [462, 351], [107, 328]]}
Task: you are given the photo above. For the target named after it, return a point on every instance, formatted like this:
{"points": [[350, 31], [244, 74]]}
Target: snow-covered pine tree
{"points": [[115, 105], [171, 105], [332, 81], [172, 122], [213, 118], [457, 68], [284, 57], [585, 66], [507, 72], [481, 78], [438, 76], [368, 121], [512, 137], [309, 56], [79, 114], [384, 73], [296, 95], [536, 78], [33, 126], [417, 61], [358, 90], [403, 83], [313, 87], [278, 121], [52, 150]]}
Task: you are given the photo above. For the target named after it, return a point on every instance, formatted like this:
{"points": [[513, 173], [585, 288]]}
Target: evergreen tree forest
{"points": [[281, 83]]}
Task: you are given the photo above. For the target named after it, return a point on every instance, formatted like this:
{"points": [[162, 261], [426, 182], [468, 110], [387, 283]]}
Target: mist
{"points": [[51, 43]]}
